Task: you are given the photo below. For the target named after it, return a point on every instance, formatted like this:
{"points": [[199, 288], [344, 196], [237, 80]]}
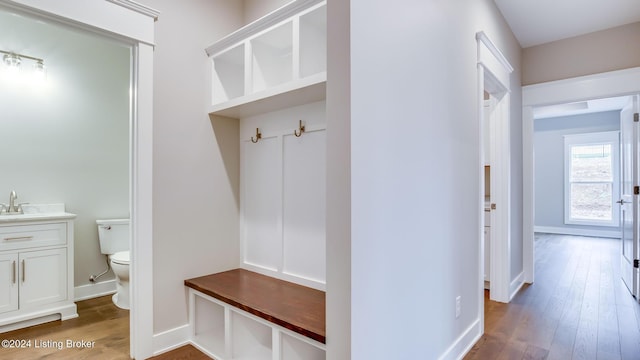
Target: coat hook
{"points": [[258, 136], [300, 130]]}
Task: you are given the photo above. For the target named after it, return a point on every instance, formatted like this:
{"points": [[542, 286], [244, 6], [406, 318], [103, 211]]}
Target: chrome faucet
{"points": [[12, 208], [12, 201]]}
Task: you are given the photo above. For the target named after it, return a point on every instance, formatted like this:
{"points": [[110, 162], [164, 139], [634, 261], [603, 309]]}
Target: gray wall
{"points": [[255, 9], [602, 51], [549, 163], [195, 174], [196, 160], [67, 140], [414, 237]]}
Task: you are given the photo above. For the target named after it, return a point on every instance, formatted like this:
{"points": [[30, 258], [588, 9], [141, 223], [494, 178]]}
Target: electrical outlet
{"points": [[458, 306]]}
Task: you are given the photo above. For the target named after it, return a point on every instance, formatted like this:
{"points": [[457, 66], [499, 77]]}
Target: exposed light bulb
{"points": [[39, 71], [12, 60]]}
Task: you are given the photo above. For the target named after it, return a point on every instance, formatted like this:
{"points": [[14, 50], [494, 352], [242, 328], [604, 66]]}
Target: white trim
{"points": [[91, 291], [287, 11], [103, 17], [137, 7], [603, 85], [171, 339], [494, 77], [497, 54], [464, 342], [141, 318], [57, 311], [578, 232], [516, 285]]}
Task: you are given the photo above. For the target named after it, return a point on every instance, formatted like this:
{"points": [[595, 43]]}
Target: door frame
{"points": [[494, 71], [132, 23], [601, 85]]}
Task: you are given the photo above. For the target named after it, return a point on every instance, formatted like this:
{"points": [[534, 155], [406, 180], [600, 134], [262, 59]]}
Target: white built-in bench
{"points": [[239, 314]]}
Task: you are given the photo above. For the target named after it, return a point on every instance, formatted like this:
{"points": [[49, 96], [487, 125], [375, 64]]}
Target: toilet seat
{"points": [[121, 257]]}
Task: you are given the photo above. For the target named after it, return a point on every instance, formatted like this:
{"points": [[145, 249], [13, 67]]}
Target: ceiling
{"points": [[536, 22]]}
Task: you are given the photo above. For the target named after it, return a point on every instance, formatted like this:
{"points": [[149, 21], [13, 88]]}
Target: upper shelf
{"points": [[275, 62]]}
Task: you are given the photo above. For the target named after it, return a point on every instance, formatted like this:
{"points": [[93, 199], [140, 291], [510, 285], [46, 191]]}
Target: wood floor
{"points": [[100, 323], [577, 308], [103, 327]]}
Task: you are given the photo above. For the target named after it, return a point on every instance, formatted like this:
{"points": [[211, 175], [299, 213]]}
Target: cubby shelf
{"points": [[276, 62], [294, 93], [239, 314]]}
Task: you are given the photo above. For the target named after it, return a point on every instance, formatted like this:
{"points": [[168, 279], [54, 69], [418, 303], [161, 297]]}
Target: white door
{"points": [[628, 201]]}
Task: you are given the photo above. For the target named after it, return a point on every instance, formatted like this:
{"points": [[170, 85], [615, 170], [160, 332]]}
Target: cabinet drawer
{"points": [[28, 236]]}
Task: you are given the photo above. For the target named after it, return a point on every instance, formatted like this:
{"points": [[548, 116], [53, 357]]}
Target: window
{"points": [[591, 168]]}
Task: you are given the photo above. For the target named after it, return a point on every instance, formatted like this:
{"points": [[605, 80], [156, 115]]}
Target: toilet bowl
{"points": [[114, 242], [120, 266]]}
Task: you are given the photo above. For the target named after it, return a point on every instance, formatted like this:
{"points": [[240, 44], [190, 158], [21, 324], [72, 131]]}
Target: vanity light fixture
{"points": [[13, 61]]}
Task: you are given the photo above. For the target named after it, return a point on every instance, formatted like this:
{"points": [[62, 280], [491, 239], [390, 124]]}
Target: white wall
{"points": [[67, 140], [414, 174], [548, 142], [196, 172]]}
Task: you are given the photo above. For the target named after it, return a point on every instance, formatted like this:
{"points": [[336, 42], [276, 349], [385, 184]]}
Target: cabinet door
{"points": [[43, 277], [8, 282]]}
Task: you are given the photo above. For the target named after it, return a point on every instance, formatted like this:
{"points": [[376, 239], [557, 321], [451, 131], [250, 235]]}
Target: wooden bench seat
{"points": [[298, 308]]}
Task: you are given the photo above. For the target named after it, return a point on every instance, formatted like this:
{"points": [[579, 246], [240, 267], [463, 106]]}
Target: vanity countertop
{"points": [[38, 212]]}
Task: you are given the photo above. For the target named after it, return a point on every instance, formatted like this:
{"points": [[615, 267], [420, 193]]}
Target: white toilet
{"points": [[114, 241]]}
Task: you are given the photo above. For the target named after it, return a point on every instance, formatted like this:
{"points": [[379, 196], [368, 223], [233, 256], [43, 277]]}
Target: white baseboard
{"points": [[578, 232], [90, 291], [516, 285], [464, 342], [171, 339]]}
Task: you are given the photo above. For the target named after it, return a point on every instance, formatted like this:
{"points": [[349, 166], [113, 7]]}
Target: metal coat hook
{"points": [[258, 136], [300, 130]]}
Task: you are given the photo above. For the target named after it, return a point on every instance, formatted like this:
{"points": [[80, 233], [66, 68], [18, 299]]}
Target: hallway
{"points": [[578, 307]]}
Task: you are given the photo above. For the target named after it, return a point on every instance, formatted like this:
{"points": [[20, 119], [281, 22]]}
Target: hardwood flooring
{"points": [[187, 352], [101, 325], [578, 307]]}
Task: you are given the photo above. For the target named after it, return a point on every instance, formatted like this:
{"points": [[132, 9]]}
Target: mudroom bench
{"points": [[240, 314]]}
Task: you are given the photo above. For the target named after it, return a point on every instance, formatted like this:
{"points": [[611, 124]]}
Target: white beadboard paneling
{"points": [[304, 205], [283, 194]]}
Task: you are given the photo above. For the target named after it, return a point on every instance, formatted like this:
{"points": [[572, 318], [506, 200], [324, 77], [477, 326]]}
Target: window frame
{"points": [[587, 139]]}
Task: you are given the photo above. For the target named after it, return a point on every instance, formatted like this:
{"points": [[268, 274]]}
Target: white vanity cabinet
{"points": [[36, 270]]}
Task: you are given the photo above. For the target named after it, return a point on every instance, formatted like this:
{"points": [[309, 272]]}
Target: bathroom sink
{"points": [[33, 212]]}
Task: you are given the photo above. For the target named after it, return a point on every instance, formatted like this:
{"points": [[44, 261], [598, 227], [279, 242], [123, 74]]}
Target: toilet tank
{"points": [[113, 235]]}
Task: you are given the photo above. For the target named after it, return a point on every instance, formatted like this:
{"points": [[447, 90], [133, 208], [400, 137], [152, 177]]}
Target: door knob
{"points": [[621, 202]]}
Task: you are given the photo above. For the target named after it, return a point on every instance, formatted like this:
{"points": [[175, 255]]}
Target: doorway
{"points": [[571, 91], [493, 85], [132, 25]]}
